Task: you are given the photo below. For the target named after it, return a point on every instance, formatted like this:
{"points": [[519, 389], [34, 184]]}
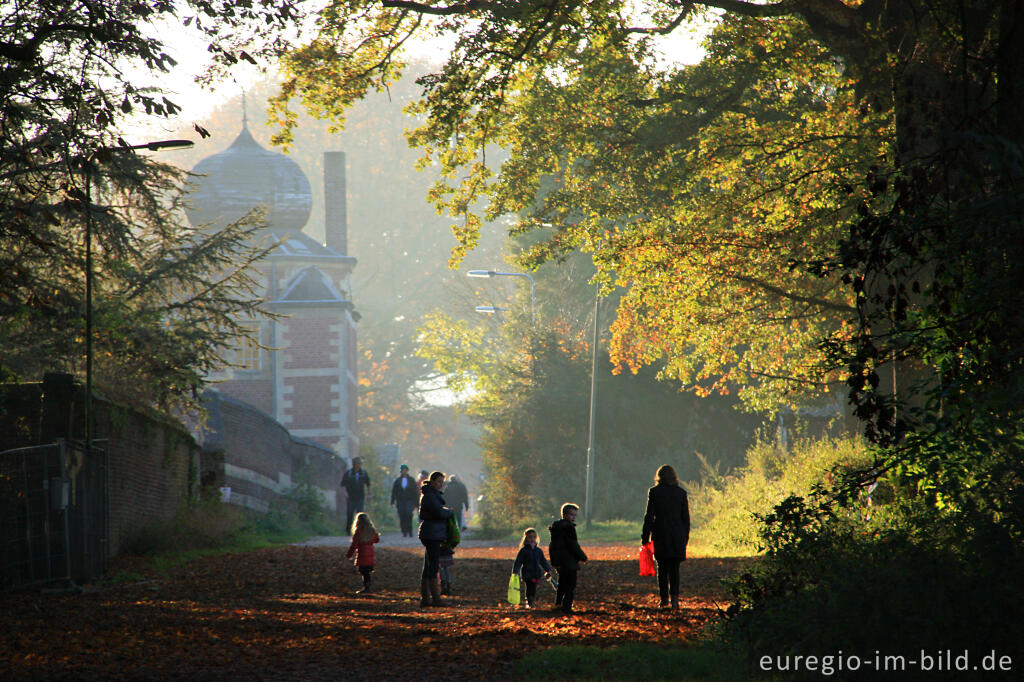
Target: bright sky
{"points": [[198, 102]]}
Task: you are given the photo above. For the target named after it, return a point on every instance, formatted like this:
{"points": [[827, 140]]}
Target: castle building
{"points": [[299, 369]]}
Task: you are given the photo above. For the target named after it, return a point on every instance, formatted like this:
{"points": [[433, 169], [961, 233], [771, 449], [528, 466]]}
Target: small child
{"points": [[532, 563], [364, 535], [566, 555], [445, 563]]}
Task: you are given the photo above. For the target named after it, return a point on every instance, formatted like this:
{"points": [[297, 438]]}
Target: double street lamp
{"points": [[151, 146], [589, 486], [494, 273], [490, 309]]}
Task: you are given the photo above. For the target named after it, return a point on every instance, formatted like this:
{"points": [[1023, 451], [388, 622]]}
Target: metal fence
{"points": [[53, 514]]}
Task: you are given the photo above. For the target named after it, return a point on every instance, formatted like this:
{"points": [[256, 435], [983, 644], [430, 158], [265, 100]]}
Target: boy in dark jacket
{"points": [[566, 556]]}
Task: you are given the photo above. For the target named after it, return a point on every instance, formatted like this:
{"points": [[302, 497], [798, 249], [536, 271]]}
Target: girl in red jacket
{"points": [[364, 535]]}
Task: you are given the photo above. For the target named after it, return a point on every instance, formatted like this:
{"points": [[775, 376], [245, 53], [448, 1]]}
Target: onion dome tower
{"points": [[245, 176], [299, 367]]}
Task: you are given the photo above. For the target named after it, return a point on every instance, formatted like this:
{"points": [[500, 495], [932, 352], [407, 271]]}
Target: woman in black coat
{"points": [[433, 531], [667, 524]]}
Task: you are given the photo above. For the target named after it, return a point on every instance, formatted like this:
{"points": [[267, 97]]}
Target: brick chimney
{"points": [[335, 208]]}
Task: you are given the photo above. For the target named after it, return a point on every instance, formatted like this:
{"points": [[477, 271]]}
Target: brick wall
{"points": [[153, 462], [248, 451], [153, 466]]}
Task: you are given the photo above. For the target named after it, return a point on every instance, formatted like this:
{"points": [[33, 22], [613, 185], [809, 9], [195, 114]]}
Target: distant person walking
{"points": [[405, 495], [667, 524], [458, 498], [433, 531], [356, 482], [566, 556]]}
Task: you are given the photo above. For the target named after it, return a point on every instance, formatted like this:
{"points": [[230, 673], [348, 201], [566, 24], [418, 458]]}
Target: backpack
{"points": [[453, 534]]}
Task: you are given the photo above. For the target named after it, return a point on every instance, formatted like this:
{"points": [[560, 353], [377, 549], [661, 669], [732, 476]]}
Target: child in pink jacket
{"points": [[364, 535]]}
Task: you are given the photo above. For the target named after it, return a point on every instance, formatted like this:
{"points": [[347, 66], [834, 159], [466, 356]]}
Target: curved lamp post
{"points": [[494, 273], [151, 146]]}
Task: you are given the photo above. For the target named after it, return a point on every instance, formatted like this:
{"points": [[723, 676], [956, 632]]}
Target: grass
{"points": [[211, 528], [599, 532], [610, 531], [615, 531], [638, 661], [723, 506]]}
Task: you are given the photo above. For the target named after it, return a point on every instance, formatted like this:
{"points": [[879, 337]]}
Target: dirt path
{"points": [[292, 614]]}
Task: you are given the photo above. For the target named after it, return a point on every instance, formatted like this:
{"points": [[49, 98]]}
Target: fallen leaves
{"points": [[292, 613]]}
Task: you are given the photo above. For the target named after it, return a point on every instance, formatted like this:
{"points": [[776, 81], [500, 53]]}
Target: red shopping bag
{"points": [[647, 559]]}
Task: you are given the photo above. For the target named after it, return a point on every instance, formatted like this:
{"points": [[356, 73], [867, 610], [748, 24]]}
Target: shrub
{"points": [[724, 508], [829, 584]]}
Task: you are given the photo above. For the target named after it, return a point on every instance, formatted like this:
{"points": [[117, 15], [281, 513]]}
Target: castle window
{"points": [[247, 353]]}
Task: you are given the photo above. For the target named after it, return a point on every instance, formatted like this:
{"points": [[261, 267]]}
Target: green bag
{"points": [[454, 534], [515, 589]]}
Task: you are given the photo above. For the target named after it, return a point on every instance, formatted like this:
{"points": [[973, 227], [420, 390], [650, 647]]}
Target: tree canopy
{"points": [[528, 386], [837, 171], [696, 189]]}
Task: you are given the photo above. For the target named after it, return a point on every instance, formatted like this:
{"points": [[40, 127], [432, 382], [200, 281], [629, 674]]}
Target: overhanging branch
{"points": [[662, 30], [777, 9], [779, 291]]}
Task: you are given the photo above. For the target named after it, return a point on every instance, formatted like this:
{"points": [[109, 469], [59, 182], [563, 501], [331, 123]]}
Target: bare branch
{"points": [[661, 30], [422, 8]]}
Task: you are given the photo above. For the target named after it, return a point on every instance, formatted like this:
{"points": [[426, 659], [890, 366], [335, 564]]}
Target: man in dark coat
{"points": [[458, 498], [667, 524], [405, 495], [566, 556], [356, 482]]}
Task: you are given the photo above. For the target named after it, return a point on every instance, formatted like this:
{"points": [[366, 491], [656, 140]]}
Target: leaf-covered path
{"points": [[292, 614]]}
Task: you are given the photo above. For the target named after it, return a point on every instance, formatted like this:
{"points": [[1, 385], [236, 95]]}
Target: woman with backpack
{"points": [[433, 532]]}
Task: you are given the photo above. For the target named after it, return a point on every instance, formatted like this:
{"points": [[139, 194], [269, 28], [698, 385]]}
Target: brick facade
{"points": [[311, 343], [257, 392], [314, 403], [305, 378]]}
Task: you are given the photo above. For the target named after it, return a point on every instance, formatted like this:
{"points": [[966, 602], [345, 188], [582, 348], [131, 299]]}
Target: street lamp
{"points": [[151, 146], [533, 286], [490, 309]]}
